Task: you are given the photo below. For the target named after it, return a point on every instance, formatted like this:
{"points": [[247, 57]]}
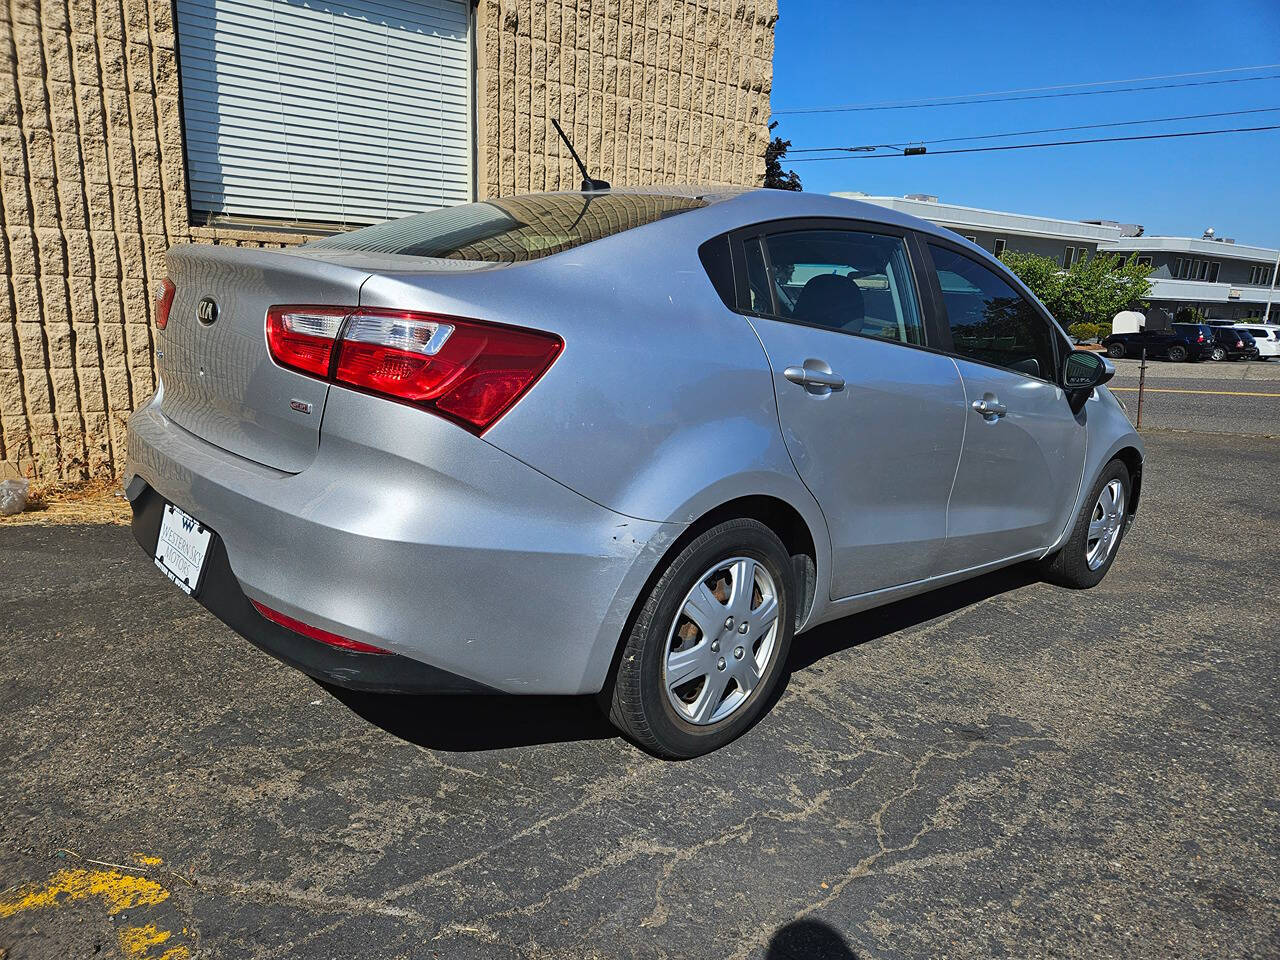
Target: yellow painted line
{"points": [[1207, 393], [118, 891]]}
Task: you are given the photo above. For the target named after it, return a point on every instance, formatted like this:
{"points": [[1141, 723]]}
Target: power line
{"points": [[1052, 143], [1059, 86], [1026, 133], [987, 98]]}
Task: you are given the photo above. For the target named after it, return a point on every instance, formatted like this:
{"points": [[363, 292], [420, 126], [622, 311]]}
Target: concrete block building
{"points": [[127, 126]]}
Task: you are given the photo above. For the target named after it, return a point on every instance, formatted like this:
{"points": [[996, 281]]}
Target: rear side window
{"points": [[514, 229], [844, 280], [990, 321]]}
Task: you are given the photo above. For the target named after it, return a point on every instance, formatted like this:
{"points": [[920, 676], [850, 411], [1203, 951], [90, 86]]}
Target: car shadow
{"points": [[467, 723], [860, 628], [473, 722]]}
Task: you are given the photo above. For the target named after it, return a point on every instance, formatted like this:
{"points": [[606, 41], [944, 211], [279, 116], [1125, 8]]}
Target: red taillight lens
{"points": [[164, 302], [303, 337], [315, 633], [466, 370]]}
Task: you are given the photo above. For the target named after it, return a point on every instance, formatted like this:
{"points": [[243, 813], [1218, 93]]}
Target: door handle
{"points": [[990, 408], [808, 377]]}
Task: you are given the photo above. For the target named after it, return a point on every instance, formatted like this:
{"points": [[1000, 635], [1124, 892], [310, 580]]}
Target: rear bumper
{"points": [[414, 536], [221, 595]]}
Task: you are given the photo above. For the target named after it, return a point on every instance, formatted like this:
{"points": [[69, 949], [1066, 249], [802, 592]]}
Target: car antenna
{"points": [[588, 184]]}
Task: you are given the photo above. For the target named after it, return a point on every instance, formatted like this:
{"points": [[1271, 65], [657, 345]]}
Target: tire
{"points": [[1070, 566], [1218, 354], [1115, 351], [638, 701], [1177, 354]]}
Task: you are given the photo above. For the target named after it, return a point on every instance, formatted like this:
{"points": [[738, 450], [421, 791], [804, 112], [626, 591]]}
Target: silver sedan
{"points": [[624, 442]]}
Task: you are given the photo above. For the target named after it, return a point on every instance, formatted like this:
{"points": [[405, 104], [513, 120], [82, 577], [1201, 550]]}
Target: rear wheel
{"points": [[1177, 354], [1218, 354], [1090, 550], [709, 646], [1115, 350]]}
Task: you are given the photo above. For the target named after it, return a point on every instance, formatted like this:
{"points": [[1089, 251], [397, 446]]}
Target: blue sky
{"points": [[848, 51]]}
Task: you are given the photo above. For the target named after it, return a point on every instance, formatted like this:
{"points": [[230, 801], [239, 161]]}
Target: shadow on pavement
{"points": [[872, 624], [471, 722], [808, 940]]}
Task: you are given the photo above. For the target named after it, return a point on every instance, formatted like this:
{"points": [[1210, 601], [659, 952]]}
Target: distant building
{"points": [[1220, 278]]}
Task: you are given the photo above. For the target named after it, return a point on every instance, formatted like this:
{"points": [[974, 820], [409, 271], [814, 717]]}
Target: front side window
{"points": [[843, 280], [990, 321]]}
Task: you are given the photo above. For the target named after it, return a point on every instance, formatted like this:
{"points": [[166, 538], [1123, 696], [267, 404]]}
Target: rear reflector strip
{"points": [[467, 371], [315, 633]]}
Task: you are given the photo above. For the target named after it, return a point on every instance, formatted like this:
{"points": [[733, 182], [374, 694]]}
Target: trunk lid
{"points": [[220, 382]]}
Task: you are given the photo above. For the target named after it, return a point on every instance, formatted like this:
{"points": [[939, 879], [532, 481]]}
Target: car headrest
{"points": [[831, 301]]}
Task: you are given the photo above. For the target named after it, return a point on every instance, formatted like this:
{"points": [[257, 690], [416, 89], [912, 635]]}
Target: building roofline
{"points": [[979, 218], [1208, 248]]}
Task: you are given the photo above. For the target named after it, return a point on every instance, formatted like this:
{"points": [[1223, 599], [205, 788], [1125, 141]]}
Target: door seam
{"points": [[964, 436]]}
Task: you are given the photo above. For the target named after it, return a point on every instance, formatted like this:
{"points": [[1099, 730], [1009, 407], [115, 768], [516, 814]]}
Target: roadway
{"points": [[1241, 397]]}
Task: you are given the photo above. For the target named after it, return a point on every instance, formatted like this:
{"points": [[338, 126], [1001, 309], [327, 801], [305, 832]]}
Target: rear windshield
{"points": [[514, 228]]}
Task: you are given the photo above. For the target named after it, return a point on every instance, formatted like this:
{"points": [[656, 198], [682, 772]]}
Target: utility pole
{"points": [[1271, 294]]}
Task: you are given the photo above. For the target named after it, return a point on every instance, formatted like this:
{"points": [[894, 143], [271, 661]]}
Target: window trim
{"points": [[739, 238], [1057, 340], [1068, 258]]}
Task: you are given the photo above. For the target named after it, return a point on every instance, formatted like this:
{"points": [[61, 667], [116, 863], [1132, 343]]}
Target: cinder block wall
{"points": [[93, 187], [650, 91]]}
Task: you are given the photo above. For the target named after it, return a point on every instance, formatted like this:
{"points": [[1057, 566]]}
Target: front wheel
{"points": [[1087, 555], [1218, 354], [1115, 351], [709, 646]]}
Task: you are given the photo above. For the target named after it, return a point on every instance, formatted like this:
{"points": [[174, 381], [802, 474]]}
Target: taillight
{"points": [[303, 337], [466, 370], [315, 633], [164, 302], [1200, 338]]}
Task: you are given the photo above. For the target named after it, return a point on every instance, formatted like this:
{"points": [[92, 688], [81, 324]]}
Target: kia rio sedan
{"points": [[626, 443]]}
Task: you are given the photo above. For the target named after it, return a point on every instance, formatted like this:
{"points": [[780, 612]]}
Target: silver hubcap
{"points": [[1104, 524], [722, 641]]}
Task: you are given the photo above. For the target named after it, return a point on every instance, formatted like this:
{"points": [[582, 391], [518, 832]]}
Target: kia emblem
{"points": [[207, 311]]}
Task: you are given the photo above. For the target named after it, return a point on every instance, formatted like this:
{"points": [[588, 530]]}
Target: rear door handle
{"points": [[990, 408], [808, 377]]}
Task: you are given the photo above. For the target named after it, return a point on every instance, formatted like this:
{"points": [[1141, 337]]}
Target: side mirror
{"points": [[1082, 371]]}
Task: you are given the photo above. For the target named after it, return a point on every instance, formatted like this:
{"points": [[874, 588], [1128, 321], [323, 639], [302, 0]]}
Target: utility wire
{"points": [[1059, 86], [1052, 143], [987, 98], [1026, 133]]}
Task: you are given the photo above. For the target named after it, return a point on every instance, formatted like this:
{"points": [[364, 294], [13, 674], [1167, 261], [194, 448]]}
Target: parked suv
{"points": [[1232, 344], [1184, 341], [1266, 337]]}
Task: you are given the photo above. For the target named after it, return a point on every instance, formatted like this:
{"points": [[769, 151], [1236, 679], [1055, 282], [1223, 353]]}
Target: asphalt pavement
{"points": [[1003, 768], [1240, 396]]}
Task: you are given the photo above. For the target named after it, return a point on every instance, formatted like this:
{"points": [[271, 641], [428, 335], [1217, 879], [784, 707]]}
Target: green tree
{"points": [[1092, 291], [1188, 315], [773, 175]]}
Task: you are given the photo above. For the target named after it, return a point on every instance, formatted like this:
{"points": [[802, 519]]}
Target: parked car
{"points": [[1182, 341], [1230, 343], [614, 442], [1266, 337]]}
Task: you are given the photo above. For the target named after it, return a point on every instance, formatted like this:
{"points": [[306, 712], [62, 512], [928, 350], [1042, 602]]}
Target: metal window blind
{"points": [[352, 111]]}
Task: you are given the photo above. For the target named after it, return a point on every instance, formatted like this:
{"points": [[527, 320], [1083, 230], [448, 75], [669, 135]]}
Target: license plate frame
{"points": [[182, 548]]}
